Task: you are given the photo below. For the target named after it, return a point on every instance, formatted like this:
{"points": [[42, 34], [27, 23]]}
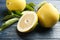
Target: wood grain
{"points": [[12, 34]]}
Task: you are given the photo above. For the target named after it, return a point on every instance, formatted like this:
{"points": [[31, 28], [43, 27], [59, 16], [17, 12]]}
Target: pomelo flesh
{"points": [[27, 22]]}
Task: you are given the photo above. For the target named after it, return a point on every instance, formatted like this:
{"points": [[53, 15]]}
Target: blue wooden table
{"points": [[12, 34]]}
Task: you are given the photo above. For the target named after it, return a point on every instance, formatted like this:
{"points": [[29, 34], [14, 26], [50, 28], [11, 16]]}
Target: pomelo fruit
{"points": [[16, 5], [48, 15], [27, 22]]}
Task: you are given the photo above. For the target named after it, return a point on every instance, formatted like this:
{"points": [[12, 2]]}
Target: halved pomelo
{"points": [[27, 22]]}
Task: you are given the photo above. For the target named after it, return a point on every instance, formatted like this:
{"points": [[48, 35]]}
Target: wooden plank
{"points": [[12, 34]]}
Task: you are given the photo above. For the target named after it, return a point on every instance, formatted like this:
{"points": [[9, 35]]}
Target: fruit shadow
{"points": [[41, 29], [38, 30]]}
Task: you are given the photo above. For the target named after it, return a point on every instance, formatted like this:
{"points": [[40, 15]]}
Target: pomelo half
{"points": [[27, 22]]}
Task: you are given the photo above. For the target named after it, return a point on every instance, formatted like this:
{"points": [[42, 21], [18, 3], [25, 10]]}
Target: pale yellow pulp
{"points": [[27, 21]]}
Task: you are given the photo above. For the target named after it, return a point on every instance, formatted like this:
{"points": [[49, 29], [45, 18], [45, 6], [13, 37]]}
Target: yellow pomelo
{"points": [[16, 4], [27, 22], [48, 15], [59, 17]]}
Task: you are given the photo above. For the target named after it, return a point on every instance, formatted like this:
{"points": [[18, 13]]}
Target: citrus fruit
{"points": [[16, 4], [59, 17], [27, 22], [48, 15]]}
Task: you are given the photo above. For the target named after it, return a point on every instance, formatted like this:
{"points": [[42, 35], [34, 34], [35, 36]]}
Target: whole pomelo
{"points": [[48, 15], [16, 4]]}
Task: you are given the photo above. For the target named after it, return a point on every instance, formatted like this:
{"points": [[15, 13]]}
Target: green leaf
{"points": [[31, 4], [17, 12], [8, 23], [28, 7], [7, 17]]}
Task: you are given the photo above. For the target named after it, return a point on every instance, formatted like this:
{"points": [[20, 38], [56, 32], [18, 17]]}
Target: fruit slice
{"points": [[48, 15], [27, 22], [16, 4]]}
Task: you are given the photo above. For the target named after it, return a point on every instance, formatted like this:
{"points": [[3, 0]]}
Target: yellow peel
{"points": [[48, 15], [16, 4]]}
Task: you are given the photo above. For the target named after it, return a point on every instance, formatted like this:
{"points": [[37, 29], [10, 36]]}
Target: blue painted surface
{"points": [[12, 34]]}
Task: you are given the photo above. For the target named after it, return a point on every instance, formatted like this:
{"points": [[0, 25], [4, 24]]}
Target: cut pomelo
{"points": [[16, 4], [48, 15], [27, 22]]}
